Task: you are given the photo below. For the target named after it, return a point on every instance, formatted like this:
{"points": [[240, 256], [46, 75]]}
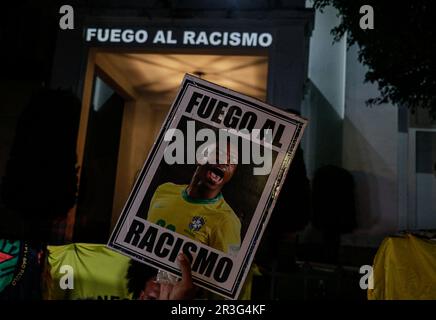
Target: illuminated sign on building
{"points": [[184, 38]]}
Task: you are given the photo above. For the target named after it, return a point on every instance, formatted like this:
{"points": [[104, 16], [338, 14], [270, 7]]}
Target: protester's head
{"points": [[141, 281], [151, 290], [40, 181], [41, 175]]}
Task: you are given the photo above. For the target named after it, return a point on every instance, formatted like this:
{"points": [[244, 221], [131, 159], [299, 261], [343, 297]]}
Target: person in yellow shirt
{"points": [[198, 210]]}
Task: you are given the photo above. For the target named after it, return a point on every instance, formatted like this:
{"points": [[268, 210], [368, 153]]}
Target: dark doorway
{"points": [[97, 183]]}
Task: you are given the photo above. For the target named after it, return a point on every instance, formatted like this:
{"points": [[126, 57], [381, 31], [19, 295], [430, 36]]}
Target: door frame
{"points": [[409, 218], [93, 69]]}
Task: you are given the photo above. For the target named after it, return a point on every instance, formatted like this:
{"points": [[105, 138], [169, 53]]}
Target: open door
{"points": [[99, 166]]}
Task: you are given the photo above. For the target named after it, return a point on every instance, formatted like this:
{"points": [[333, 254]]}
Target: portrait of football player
{"points": [[198, 209]]}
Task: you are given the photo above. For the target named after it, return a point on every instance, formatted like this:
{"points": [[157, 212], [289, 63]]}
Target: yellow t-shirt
{"points": [[404, 269], [209, 221], [95, 271]]}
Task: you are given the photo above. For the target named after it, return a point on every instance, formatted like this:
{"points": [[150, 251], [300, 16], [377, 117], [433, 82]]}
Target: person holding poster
{"points": [[177, 203]]}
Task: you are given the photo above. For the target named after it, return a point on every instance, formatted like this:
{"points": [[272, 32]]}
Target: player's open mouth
{"points": [[215, 174]]}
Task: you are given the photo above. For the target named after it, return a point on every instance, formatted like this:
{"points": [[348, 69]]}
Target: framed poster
{"points": [[209, 185]]}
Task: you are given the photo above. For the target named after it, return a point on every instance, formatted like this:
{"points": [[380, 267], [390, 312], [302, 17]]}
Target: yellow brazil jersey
{"points": [[210, 221]]}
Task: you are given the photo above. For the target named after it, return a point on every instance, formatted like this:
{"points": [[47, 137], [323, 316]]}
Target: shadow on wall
{"points": [[372, 210], [376, 188], [334, 208], [324, 131]]}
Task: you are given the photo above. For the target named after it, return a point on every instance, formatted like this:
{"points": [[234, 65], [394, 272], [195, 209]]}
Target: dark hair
{"points": [[41, 173], [137, 276]]}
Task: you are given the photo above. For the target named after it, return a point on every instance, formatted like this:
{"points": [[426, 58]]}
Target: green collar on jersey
{"points": [[186, 196]]}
